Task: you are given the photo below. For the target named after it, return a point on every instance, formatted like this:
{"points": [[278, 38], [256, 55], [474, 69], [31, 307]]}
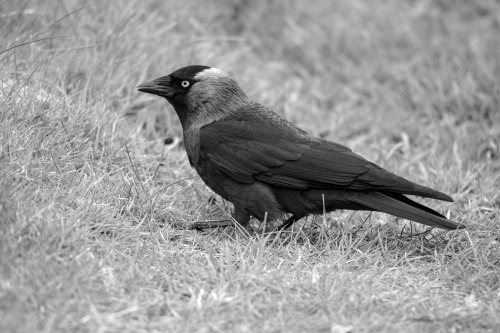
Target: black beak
{"points": [[160, 86]]}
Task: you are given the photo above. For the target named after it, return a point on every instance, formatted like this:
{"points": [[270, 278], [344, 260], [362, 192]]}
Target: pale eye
{"points": [[185, 84]]}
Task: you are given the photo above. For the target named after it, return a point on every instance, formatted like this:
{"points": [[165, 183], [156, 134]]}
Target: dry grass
{"points": [[93, 206]]}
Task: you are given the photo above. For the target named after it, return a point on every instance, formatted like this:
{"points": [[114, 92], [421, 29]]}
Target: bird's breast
{"points": [[192, 144]]}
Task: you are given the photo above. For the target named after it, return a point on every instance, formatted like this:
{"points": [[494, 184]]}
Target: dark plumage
{"points": [[266, 166]]}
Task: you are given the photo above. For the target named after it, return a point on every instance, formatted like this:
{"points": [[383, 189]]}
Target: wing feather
{"points": [[256, 145]]}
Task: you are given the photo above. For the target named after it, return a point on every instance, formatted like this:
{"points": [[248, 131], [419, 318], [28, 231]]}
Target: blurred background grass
{"points": [[413, 85], [333, 60]]}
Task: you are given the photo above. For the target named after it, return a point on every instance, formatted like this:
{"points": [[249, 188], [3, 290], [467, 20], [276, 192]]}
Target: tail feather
{"points": [[408, 201], [401, 206]]}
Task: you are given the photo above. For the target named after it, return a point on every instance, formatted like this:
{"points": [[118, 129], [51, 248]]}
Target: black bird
{"points": [[266, 166]]}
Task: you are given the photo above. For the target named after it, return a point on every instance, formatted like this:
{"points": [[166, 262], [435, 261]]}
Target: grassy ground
{"points": [[93, 205]]}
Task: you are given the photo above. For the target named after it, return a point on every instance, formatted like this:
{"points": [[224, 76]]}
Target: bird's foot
{"points": [[289, 221]]}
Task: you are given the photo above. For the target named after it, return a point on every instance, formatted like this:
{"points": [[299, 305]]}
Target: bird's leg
{"points": [[241, 216], [289, 221]]}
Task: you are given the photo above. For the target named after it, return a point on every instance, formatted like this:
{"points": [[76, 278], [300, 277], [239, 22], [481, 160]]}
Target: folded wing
{"points": [[258, 146]]}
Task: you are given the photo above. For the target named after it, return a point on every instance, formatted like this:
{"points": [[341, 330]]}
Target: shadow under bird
{"points": [[267, 167]]}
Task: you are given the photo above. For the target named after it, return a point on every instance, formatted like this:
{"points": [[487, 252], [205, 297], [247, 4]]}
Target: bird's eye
{"points": [[185, 84]]}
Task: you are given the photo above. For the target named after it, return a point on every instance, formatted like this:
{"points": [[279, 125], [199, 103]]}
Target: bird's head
{"points": [[199, 94]]}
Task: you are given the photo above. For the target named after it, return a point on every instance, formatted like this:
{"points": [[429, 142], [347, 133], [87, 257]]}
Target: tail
{"points": [[401, 206]]}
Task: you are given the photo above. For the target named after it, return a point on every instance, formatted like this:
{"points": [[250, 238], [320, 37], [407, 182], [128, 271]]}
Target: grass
{"points": [[94, 206]]}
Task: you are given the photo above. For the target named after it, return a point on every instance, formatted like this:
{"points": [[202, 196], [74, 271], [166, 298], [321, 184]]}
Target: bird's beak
{"points": [[160, 86]]}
